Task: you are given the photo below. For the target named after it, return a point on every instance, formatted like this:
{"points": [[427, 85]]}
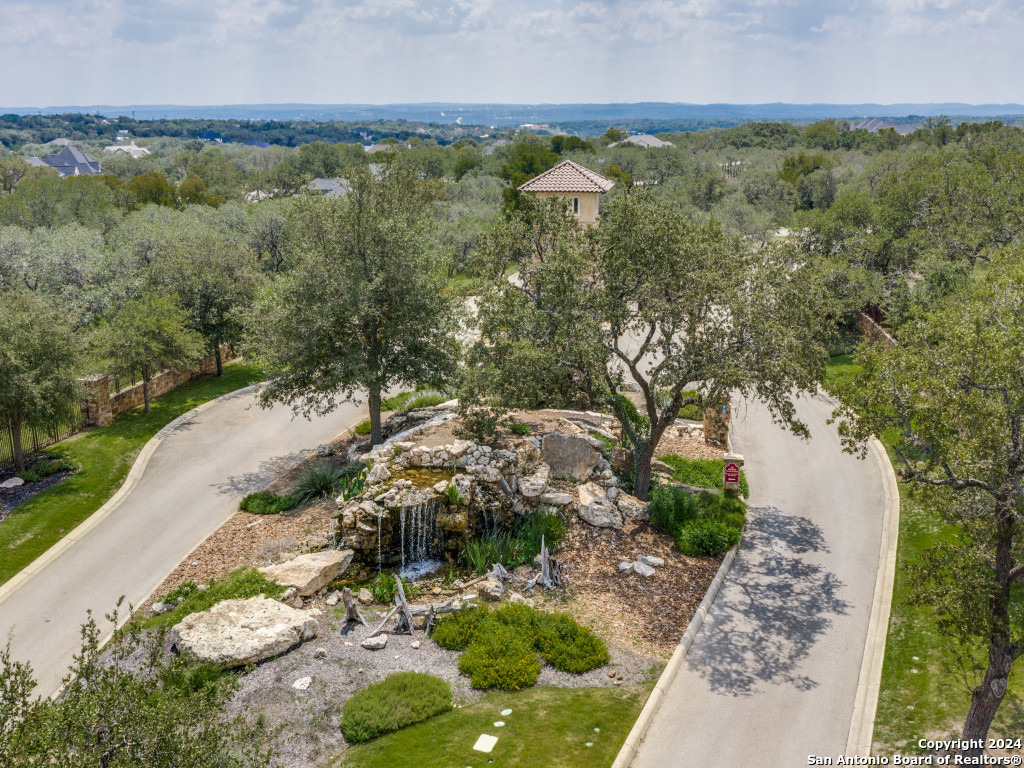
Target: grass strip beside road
{"points": [[106, 454], [547, 728]]}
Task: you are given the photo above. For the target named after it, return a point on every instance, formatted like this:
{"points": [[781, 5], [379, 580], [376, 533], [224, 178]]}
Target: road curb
{"points": [[19, 579], [639, 729], [862, 724]]}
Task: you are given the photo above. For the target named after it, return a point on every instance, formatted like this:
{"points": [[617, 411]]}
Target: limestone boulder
{"points": [[631, 506], [569, 455], [643, 569], [234, 633], [555, 499], [492, 590], [533, 486], [310, 573], [596, 508]]}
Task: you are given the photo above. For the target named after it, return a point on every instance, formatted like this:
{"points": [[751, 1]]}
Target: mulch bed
{"points": [[12, 497], [646, 615]]}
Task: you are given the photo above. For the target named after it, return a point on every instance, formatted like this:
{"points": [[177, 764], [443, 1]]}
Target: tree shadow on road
{"points": [[772, 609], [269, 471]]}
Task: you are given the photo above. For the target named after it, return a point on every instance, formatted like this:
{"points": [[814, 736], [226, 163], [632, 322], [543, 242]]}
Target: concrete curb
{"points": [[19, 579], [639, 730], [862, 724]]}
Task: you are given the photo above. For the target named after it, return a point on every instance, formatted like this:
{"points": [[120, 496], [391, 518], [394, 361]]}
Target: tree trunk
{"points": [[986, 698], [374, 404], [220, 363], [145, 387], [19, 452], [642, 471]]}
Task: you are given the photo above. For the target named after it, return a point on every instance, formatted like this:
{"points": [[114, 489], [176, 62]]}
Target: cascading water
{"points": [[423, 546], [401, 528], [378, 545]]}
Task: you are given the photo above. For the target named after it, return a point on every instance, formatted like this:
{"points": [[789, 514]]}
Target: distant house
{"points": [[329, 187], [58, 143], [70, 161], [126, 149], [210, 136], [123, 135], [571, 180], [257, 143], [876, 124], [644, 140], [375, 148]]}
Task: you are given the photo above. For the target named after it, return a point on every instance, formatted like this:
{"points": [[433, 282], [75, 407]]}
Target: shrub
{"points": [[427, 401], [395, 402], [531, 528], [567, 646], [726, 507], [362, 428], [705, 537], [47, 467], [671, 507], [703, 473], [500, 658], [407, 401], [401, 699], [501, 548], [693, 412], [317, 481], [519, 428], [457, 630], [238, 584], [351, 483], [266, 503], [383, 588], [481, 424]]}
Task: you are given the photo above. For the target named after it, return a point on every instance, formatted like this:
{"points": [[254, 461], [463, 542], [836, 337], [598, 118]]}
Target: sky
{"points": [[82, 52]]}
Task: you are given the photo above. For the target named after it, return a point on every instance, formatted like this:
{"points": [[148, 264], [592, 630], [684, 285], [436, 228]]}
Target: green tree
{"points": [[147, 335], [152, 187], [365, 308], [652, 297], [125, 706], [37, 365], [952, 391]]}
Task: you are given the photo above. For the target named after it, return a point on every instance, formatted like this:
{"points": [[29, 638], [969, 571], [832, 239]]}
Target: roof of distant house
{"points": [[374, 148], [644, 140], [876, 124], [568, 176], [58, 143], [71, 161], [127, 149], [257, 143], [330, 187], [493, 146], [36, 162]]}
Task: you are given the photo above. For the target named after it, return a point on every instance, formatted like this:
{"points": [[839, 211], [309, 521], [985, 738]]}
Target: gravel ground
{"points": [[305, 724]]}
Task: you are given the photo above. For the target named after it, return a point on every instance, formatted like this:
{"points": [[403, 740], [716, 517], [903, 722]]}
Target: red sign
{"points": [[732, 473]]}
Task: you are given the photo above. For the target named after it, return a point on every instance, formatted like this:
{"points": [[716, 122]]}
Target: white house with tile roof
{"points": [[571, 180]]}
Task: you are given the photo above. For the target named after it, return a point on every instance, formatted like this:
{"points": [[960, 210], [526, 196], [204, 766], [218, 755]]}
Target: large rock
{"points": [[235, 633], [310, 573], [631, 506], [533, 486], [568, 455], [555, 499], [492, 590], [14, 482], [595, 508]]}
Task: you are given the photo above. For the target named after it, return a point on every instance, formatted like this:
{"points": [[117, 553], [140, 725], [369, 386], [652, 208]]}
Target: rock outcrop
{"points": [[596, 508], [569, 455], [234, 633], [310, 573]]}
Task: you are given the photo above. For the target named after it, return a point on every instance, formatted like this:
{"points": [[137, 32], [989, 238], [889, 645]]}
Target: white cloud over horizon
{"points": [[82, 52]]}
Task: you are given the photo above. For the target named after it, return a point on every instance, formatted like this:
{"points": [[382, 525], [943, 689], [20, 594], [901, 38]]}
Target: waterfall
{"points": [[401, 528], [378, 545], [422, 544]]}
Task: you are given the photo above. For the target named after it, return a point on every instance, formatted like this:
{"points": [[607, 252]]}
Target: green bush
{"points": [[567, 646], [47, 467], [400, 700], [362, 428], [519, 428], [351, 482], [407, 401], [703, 473], [722, 506], [317, 481], [693, 412], [427, 401], [705, 537], [383, 588], [457, 630], [239, 584], [266, 503], [529, 531], [671, 508], [500, 658]]}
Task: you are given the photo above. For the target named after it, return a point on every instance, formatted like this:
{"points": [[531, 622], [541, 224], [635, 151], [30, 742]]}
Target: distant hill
{"points": [[519, 114]]}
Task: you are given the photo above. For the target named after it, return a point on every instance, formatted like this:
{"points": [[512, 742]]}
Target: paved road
{"points": [[191, 486], [772, 675]]}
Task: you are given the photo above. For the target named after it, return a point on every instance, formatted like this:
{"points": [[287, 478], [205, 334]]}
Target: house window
{"points": [[576, 206]]}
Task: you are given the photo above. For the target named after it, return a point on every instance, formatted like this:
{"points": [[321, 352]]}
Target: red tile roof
{"points": [[568, 176]]}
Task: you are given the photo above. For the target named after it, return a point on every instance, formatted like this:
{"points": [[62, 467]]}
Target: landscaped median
{"points": [[106, 455]]}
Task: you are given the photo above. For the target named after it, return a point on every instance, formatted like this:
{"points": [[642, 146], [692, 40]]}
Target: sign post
{"points": [[731, 472]]}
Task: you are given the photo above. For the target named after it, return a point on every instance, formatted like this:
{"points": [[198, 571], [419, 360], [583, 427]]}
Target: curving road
{"points": [[772, 675], [202, 467]]}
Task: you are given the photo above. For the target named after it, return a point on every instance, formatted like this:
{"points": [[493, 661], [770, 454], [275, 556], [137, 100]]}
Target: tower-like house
{"points": [[571, 180]]}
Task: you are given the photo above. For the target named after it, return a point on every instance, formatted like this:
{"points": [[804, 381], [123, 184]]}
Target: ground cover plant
{"points": [[501, 647], [47, 467], [518, 546], [239, 584], [266, 503], [547, 727], [704, 524], [105, 455], [400, 700]]}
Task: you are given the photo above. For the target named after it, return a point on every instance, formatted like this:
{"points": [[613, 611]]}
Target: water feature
{"points": [[420, 538]]}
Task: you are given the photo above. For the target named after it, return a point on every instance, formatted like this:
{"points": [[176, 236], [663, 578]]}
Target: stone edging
{"points": [[639, 730], [862, 724], [19, 579]]}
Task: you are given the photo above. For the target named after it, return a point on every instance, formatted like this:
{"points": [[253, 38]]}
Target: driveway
{"points": [[191, 485], [772, 675]]}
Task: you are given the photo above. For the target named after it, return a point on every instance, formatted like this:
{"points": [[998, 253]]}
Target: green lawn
{"points": [[105, 455], [548, 728], [838, 370]]}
